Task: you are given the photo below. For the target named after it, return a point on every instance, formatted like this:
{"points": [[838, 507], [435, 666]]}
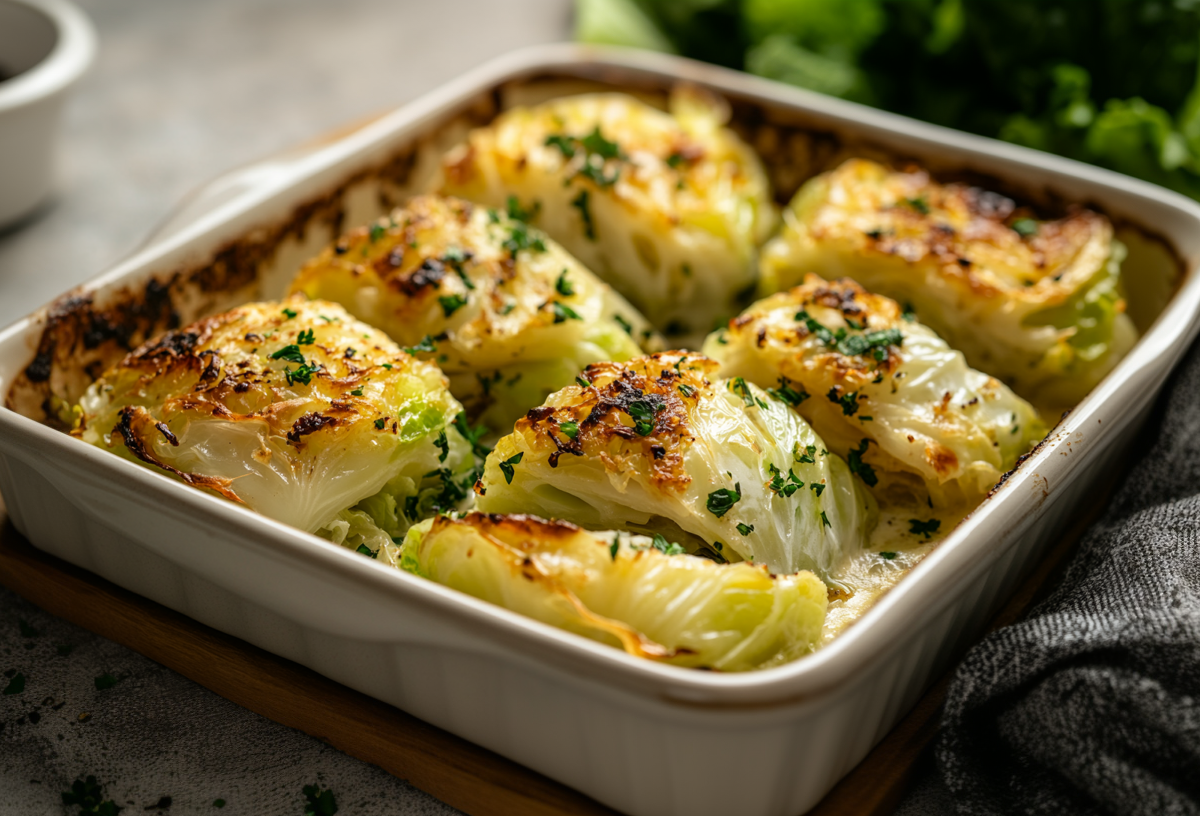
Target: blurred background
{"points": [[183, 91]]}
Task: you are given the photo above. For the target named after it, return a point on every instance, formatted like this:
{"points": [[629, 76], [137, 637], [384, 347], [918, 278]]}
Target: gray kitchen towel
{"points": [[1091, 705]]}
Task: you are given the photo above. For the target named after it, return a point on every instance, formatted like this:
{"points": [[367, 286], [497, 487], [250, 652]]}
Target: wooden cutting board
{"points": [[461, 774]]}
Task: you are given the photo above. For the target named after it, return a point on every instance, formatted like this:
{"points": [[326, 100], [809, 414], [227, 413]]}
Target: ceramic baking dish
{"points": [[644, 738]]}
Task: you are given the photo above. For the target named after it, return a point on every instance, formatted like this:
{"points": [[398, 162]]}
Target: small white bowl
{"points": [[45, 47]]}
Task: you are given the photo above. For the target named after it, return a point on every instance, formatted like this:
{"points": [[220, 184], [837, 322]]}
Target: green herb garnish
{"points": [[925, 528], [506, 467], [722, 501], [857, 465]]}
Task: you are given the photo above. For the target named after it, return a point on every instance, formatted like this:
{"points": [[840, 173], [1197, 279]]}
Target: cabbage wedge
{"points": [[1036, 303], [639, 594], [657, 445], [293, 409], [668, 207], [505, 312], [881, 389]]}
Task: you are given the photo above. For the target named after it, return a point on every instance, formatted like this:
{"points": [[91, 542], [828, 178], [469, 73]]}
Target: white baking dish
{"points": [[644, 738]]}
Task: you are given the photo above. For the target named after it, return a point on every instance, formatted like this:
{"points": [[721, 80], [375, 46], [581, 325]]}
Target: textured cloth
{"points": [[1091, 705]]}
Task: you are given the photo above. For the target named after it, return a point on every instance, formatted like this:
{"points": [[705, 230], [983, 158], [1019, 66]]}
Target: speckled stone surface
{"points": [[181, 92]]}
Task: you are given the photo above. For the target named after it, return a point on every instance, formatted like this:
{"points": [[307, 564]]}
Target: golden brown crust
{"points": [[634, 417]]}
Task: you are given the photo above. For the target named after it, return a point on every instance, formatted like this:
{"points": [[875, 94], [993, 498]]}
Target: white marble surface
{"points": [[181, 92]]}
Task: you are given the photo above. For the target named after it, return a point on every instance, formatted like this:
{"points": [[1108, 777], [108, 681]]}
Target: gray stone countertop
{"points": [[180, 93]]}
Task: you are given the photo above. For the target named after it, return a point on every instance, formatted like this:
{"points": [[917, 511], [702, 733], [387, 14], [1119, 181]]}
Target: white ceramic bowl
{"points": [[45, 47]]}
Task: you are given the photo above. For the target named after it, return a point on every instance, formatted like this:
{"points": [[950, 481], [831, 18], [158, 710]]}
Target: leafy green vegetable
{"points": [[1111, 82]]}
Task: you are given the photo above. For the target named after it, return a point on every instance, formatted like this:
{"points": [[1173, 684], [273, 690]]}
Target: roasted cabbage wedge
{"points": [[505, 312], [1035, 303], [634, 592], [881, 389], [294, 409], [670, 208], [658, 445]]}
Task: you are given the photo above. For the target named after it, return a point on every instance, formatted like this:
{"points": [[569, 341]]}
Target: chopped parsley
{"points": [[848, 401], [596, 151], [564, 286], [517, 213], [738, 386], [745, 529], [376, 233], [581, 202], [687, 390], [722, 501], [380, 423], [451, 303], [666, 548], [785, 393], [16, 684], [426, 346], [925, 528], [570, 429], [825, 519], [565, 144], [910, 314], [814, 326], [443, 444], [519, 238], [367, 551], [506, 467], [563, 312], [595, 144], [612, 548], [624, 324], [302, 374], [862, 343], [817, 488], [88, 795], [1025, 227], [582, 383], [357, 392], [781, 486], [675, 160], [319, 802], [920, 204], [306, 338], [857, 465], [887, 555], [507, 308], [291, 353], [486, 382], [289, 313], [808, 457], [642, 414]]}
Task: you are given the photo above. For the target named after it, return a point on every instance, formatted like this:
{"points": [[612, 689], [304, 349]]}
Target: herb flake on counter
{"points": [[88, 795], [319, 802], [16, 684], [106, 681]]}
